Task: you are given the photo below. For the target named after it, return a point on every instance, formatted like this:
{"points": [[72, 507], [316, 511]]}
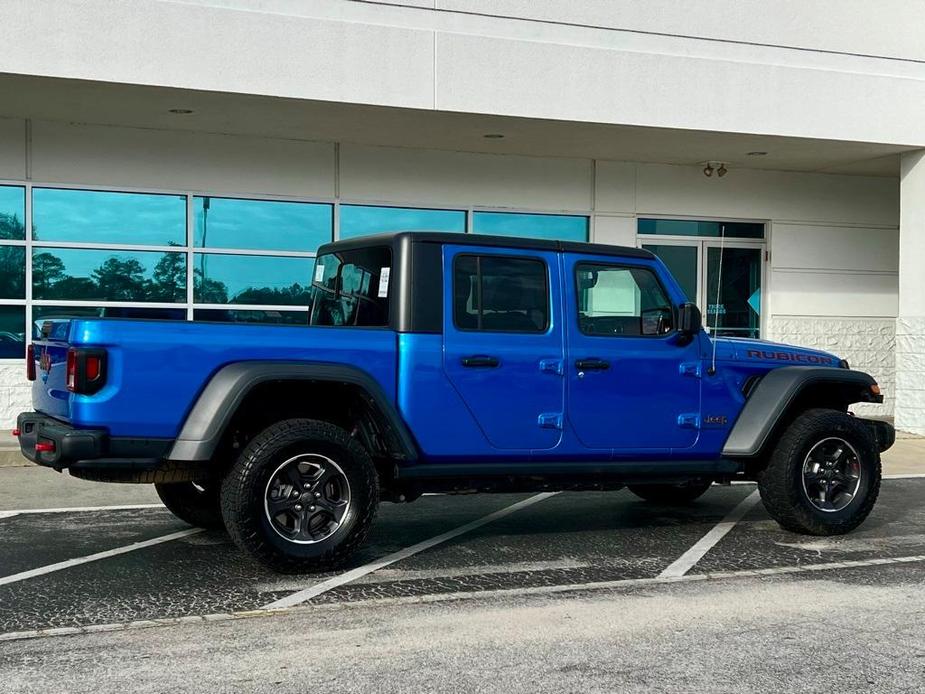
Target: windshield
{"points": [[352, 288]]}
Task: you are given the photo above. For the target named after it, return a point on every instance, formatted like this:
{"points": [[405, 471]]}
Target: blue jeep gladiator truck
{"points": [[437, 362]]}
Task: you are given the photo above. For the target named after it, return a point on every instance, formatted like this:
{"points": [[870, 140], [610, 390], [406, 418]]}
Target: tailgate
{"points": [[49, 390]]}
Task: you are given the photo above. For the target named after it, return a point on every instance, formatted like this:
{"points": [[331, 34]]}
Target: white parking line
{"points": [[348, 576], [686, 561], [76, 509], [77, 561]]}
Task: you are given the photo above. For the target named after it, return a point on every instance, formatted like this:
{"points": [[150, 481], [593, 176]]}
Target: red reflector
{"points": [[72, 370], [30, 362], [16, 432], [92, 368], [45, 447]]}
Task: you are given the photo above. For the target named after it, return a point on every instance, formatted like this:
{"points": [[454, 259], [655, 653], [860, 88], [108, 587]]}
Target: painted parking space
{"points": [[30, 541], [564, 540], [201, 574], [570, 538], [895, 528]]}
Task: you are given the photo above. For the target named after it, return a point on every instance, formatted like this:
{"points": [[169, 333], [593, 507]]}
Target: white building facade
{"points": [[185, 158]]}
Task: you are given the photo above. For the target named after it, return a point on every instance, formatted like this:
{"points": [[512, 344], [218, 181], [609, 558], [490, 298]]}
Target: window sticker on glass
{"points": [[319, 272], [384, 282]]}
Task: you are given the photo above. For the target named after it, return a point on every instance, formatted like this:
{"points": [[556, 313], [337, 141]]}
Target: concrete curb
{"points": [[11, 457]]}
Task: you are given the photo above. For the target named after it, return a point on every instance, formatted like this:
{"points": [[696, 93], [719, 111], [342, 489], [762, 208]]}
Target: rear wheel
{"points": [[196, 503], [301, 496], [823, 476], [671, 494]]}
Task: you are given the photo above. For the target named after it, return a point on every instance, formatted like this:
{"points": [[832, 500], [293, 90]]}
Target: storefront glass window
{"points": [[12, 332], [93, 216], [535, 226], [98, 275], [265, 225], [252, 279], [12, 213], [688, 227], [360, 220]]}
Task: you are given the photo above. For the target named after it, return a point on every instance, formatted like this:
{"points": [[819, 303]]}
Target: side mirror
{"points": [[587, 279], [690, 322]]}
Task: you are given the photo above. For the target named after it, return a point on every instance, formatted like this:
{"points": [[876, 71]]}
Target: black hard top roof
{"points": [[398, 238]]}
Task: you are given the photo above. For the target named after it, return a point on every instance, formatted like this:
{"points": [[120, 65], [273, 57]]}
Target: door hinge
{"points": [[552, 366], [550, 420], [690, 368], [689, 420]]}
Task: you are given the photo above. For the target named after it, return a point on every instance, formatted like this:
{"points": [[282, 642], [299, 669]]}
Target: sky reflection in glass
{"points": [[360, 220], [265, 225], [93, 216], [535, 226]]}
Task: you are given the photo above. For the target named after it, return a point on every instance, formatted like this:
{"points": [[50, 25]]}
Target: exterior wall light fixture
{"points": [[719, 167]]}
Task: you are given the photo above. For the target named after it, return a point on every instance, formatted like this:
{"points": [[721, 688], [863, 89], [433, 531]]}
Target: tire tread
{"points": [[243, 522], [777, 481]]}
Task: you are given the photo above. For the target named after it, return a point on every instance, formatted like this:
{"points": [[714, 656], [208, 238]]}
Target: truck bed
{"points": [[156, 369]]}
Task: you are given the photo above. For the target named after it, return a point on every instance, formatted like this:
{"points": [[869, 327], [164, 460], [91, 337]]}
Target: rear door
{"points": [[633, 384], [503, 350]]}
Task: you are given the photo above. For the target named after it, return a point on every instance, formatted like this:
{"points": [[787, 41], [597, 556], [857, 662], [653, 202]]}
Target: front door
{"points": [[633, 385], [503, 350]]}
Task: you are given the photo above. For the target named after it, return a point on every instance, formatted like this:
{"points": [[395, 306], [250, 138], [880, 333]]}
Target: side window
{"points": [[499, 293], [352, 288], [626, 301]]}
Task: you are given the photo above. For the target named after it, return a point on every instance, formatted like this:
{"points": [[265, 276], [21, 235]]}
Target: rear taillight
{"points": [[86, 370], [94, 367], [30, 362]]}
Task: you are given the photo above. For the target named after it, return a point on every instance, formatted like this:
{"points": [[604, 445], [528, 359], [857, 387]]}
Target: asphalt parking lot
{"points": [[525, 544]]}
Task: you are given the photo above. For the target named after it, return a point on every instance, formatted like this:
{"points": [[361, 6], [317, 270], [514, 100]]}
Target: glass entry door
{"points": [[732, 287], [725, 281]]}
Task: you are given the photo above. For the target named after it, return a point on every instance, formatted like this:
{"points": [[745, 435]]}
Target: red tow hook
{"points": [[16, 432]]}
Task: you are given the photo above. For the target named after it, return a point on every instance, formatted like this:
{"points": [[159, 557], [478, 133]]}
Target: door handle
{"points": [[480, 360], [592, 364]]}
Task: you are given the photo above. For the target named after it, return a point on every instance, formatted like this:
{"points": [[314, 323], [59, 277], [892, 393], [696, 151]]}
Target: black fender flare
{"points": [[207, 420], [776, 392]]}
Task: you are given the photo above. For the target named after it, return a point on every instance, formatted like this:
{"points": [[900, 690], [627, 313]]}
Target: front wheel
{"points": [[823, 476], [671, 494], [301, 496]]}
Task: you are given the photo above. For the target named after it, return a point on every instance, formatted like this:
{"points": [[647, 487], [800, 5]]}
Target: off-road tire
{"points": [[781, 481], [671, 494], [244, 487], [196, 503]]}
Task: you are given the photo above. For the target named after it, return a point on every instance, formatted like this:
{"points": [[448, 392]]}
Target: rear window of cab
{"points": [[351, 288]]}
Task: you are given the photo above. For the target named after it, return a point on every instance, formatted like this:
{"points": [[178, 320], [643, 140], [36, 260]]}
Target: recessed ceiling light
{"points": [[180, 111], [756, 154], [493, 136]]}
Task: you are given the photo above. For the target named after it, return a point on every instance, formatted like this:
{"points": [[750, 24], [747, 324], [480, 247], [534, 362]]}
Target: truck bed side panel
{"points": [[156, 369]]}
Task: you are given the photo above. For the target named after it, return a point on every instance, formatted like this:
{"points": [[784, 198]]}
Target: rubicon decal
{"points": [[790, 356]]}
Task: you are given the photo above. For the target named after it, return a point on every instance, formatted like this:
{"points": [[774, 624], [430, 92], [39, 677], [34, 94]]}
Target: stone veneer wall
{"points": [[15, 394], [869, 344], [910, 373]]}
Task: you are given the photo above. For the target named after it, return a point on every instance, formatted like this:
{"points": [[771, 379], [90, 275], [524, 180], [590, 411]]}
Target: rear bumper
{"points": [[85, 448], [883, 432]]}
